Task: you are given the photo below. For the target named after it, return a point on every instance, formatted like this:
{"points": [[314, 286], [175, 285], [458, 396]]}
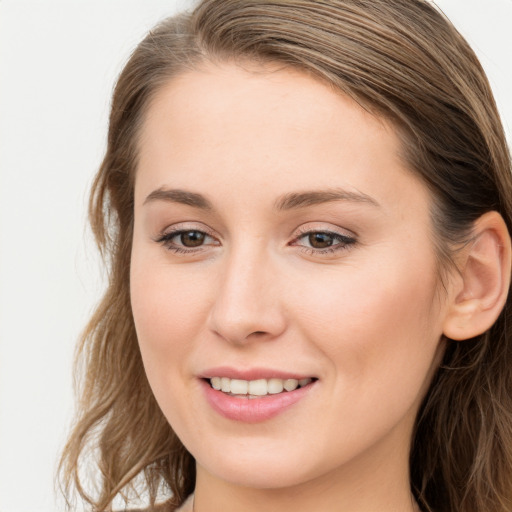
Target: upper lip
{"points": [[251, 373]]}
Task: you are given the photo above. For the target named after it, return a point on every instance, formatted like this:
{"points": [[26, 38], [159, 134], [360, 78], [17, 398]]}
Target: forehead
{"points": [[258, 99], [224, 126]]}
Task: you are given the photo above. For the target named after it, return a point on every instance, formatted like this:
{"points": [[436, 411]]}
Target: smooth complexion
{"points": [[277, 231]]}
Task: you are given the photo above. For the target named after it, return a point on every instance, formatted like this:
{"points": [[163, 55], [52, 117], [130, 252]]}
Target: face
{"points": [[279, 238]]}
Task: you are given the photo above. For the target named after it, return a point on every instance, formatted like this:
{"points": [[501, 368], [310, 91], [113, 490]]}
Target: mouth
{"points": [[256, 400], [258, 388]]}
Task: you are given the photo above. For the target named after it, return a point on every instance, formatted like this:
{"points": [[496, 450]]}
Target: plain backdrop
{"points": [[58, 64]]}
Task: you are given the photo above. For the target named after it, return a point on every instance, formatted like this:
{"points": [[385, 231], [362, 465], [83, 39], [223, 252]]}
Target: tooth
{"points": [[258, 387], [239, 387], [291, 384], [275, 386], [225, 384]]}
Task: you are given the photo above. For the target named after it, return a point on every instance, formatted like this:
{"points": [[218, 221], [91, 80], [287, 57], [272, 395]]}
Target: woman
{"points": [[306, 210]]}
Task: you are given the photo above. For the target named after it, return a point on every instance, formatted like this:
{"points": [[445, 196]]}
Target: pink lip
{"points": [[249, 374], [252, 410]]}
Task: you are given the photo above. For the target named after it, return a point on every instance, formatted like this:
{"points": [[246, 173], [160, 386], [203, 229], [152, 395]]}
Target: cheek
{"points": [[378, 334], [169, 313], [379, 330], [169, 309]]}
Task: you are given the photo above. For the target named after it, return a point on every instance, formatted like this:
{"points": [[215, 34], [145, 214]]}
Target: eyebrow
{"points": [[291, 201], [297, 200], [179, 196]]}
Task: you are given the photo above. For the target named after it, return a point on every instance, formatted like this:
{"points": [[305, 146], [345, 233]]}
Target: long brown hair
{"points": [[400, 59]]}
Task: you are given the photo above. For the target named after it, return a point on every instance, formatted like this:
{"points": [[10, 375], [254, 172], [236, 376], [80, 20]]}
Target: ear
{"points": [[480, 290]]}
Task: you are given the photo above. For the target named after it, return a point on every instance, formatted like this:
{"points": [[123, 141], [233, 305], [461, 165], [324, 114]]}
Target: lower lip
{"points": [[253, 410]]}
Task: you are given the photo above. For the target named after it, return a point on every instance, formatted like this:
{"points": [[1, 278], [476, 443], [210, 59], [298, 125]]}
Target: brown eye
{"points": [[183, 241], [320, 240], [323, 242], [192, 238]]}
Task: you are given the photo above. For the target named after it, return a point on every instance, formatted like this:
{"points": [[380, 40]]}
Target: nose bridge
{"points": [[247, 302]]}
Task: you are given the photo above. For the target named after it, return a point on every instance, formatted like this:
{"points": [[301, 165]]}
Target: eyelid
{"points": [[322, 227], [187, 226]]}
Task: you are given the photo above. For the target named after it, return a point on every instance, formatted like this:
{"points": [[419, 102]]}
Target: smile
{"points": [[256, 400], [256, 388]]}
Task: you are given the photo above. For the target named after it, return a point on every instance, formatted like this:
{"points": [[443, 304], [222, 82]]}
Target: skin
{"points": [[365, 318]]}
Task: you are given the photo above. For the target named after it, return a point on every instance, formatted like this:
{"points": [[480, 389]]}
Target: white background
{"points": [[58, 64]]}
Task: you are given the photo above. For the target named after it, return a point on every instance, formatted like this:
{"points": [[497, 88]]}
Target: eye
{"points": [[323, 242], [186, 240]]}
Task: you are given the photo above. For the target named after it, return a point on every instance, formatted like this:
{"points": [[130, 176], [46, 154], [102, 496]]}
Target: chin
{"points": [[258, 476], [258, 468]]}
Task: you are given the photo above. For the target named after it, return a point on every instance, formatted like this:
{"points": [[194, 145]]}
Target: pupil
{"points": [[192, 238], [320, 240]]}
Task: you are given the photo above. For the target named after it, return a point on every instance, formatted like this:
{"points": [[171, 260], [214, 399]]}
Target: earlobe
{"points": [[485, 278]]}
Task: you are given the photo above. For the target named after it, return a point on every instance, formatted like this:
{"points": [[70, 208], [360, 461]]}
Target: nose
{"points": [[248, 305]]}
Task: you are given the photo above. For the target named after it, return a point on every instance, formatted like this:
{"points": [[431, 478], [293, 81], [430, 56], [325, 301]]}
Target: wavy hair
{"points": [[401, 60]]}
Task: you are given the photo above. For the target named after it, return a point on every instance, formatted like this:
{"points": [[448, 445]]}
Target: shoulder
{"points": [[162, 507], [168, 507]]}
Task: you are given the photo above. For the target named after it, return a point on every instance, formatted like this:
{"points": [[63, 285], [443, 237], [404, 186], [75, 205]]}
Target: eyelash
{"points": [[343, 241], [166, 240]]}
